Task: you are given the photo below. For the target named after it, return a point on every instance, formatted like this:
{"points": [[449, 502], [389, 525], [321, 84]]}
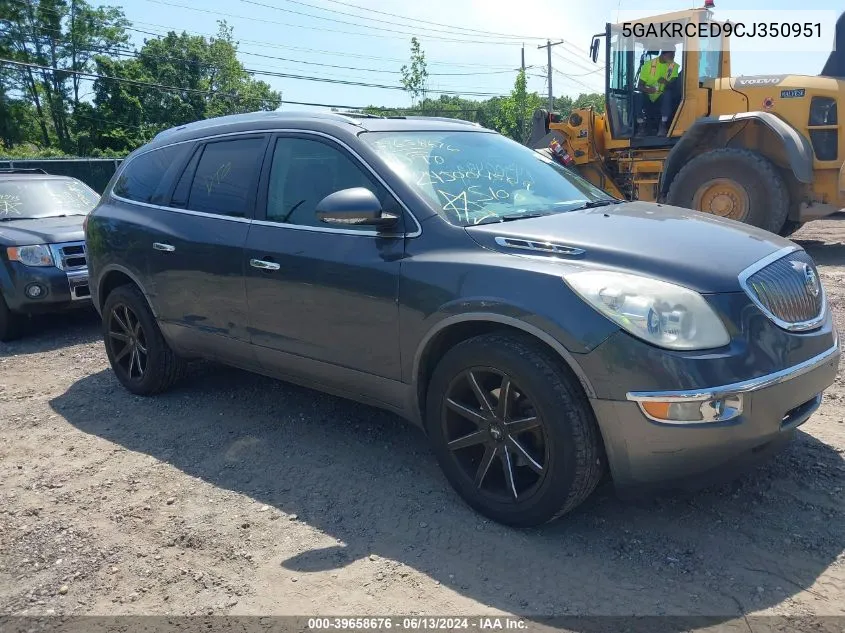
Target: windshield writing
{"points": [[28, 199], [473, 177]]}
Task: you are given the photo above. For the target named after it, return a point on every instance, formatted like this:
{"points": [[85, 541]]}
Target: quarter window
{"points": [[305, 171], [225, 177], [144, 180]]}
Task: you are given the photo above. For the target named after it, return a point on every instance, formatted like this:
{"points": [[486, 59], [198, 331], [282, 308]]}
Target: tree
{"points": [[514, 116], [592, 99], [415, 76], [57, 39]]}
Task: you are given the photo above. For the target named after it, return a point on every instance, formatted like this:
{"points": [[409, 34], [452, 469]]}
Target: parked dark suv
{"points": [[537, 329], [42, 245]]}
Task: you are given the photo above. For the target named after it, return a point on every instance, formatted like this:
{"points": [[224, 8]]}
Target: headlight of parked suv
{"points": [[658, 312], [35, 255]]}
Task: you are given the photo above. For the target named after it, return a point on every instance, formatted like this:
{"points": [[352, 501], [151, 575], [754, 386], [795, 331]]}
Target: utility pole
{"points": [[523, 58], [548, 46]]}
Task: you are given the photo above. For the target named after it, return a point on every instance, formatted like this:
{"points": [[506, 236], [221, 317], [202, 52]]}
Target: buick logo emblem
{"points": [[811, 279]]}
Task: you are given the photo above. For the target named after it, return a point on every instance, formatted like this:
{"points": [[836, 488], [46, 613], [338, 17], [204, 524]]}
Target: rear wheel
{"points": [[140, 357], [11, 323], [512, 430], [733, 183]]}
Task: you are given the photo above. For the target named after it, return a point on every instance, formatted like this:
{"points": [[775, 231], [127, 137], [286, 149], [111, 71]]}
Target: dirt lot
{"points": [[237, 494]]}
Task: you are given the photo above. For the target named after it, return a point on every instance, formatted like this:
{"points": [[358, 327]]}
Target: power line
{"points": [[325, 30], [453, 30]]}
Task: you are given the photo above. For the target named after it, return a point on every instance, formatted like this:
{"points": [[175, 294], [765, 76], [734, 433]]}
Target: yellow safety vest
{"points": [[655, 70]]}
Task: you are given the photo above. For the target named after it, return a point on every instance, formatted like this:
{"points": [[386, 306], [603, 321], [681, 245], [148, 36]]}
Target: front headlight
{"points": [[660, 313], [35, 255]]}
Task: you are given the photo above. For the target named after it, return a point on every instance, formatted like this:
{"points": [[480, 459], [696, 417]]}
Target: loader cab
{"points": [[630, 46]]}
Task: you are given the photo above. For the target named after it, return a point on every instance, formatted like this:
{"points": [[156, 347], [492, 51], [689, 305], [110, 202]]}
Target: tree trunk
{"points": [[33, 88]]}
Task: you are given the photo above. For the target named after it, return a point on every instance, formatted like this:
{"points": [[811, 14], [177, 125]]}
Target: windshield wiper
{"points": [[598, 203], [43, 217], [510, 217]]}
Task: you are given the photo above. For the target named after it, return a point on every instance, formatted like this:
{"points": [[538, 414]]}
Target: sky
{"points": [[313, 37]]}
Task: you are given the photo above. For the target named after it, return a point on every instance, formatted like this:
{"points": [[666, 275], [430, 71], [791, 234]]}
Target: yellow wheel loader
{"points": [[765, 150]]}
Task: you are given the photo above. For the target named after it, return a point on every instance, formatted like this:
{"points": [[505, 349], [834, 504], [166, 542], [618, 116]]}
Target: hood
{"points": [[42, 231], [696, 250]]}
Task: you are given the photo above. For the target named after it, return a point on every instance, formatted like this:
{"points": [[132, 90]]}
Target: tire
{"points": [[565, 443], [734, 183], [149, 366], [789, 227], [11, 323]]}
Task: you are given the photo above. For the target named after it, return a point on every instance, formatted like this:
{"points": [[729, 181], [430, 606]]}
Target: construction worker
{"points": [[657, 82]]}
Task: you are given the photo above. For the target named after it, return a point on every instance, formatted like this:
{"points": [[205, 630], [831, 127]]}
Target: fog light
{"points": [[35, 291], [693, 411]]}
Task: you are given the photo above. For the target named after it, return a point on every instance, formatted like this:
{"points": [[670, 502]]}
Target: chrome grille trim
{"points": [[783, 298], [66, 255], [543, 247]]}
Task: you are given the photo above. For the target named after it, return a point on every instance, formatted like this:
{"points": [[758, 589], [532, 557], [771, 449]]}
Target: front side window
{"points": [[477, 177], [225, 177], [303, 172], [33, 198], [143, 178]]}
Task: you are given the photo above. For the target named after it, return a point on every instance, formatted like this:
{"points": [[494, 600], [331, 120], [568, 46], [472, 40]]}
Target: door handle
{"points": [[264, 265], [167, 248]]}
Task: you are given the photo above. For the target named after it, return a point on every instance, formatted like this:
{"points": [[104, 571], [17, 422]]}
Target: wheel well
{"points": [[112, 280], [450, 336], [750, 134]]}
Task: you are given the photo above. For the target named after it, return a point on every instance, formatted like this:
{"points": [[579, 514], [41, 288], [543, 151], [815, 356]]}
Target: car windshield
{"points": [[31, 198], [475, 177]]}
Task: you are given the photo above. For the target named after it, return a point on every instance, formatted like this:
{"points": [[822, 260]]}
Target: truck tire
{"points": [[789, 227], [523, 461], [734, 183], [10, 323]]}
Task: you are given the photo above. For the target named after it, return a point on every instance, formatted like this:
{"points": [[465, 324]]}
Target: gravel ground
{"points": [[236, 494]]}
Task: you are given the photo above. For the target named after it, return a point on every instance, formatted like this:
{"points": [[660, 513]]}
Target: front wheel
{"points": [[512, 430], [733, 183], [140, 357]]}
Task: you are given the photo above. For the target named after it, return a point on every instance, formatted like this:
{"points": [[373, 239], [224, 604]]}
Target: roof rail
{"points": [[21, 170], [444, 119]]}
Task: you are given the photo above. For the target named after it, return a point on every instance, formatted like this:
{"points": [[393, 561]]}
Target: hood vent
{"points": [[543, 247]]}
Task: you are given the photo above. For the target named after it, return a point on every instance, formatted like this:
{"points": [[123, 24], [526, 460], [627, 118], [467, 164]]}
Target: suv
{"points": [[42, 245], [537, 329]]}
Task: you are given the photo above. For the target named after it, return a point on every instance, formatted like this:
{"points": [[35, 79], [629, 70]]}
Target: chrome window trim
{"points": [[801, 326], [369, 233], [755, 384]]}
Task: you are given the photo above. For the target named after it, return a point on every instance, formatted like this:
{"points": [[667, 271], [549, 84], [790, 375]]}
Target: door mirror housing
{"points": [[354, 207], [594, 47]]}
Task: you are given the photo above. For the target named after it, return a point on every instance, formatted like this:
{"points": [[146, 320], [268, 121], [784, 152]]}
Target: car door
{"points": [[316, 291], [197, 263]]}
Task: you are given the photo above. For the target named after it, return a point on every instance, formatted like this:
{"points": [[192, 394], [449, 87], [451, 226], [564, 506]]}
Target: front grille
{"points": [[789, 291], [70, 255]]}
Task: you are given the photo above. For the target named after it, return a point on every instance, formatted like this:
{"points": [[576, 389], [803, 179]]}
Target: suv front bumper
{"points": [[59, 289], [644, 453]]}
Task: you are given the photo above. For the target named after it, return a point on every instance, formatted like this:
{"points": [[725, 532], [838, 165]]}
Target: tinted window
{"points": [[25, 198], [226, 175], [144, 180], [183, 187], [304, 172]]}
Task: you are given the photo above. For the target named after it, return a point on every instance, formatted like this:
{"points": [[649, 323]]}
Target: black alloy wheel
{"points": [[128, 342], [494, 434]]}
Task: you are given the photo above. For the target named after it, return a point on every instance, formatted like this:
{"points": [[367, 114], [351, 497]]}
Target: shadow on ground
{"points": [[824, 253], [48, 332], [369, 480]]}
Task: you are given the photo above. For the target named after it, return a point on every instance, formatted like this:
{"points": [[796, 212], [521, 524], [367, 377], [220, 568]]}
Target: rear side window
{"points": [[144, 179], [226, 176]]}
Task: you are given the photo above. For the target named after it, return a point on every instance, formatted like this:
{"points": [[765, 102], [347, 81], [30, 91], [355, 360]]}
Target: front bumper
{"points": [[60, 289], [646, 453]]}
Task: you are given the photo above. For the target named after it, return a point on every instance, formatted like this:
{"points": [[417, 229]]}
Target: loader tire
{"points": [[733, 183]]}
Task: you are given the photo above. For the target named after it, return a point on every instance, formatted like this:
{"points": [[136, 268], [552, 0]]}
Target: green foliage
{"points": [[50, 112], [514, 116], [415, 76]]}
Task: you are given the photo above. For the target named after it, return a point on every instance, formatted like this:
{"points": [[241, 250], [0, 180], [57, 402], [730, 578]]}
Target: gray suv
{"points": [[541, 332]]}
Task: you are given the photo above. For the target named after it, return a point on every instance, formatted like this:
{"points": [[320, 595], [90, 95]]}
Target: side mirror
{"points": [[594, 50], [355, 207]]}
